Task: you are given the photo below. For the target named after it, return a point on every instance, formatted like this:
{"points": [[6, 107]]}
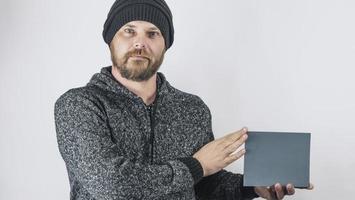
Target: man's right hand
{"points": [[219, 153]]}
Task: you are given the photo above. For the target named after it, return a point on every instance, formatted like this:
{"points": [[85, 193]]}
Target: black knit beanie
{"points": [[156, 12]]}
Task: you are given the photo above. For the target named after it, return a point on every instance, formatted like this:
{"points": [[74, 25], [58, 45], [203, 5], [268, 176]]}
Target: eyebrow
{"points": [[151, 28]]}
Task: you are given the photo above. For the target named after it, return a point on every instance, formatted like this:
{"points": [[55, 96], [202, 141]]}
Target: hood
{"points": [[105, 80]]}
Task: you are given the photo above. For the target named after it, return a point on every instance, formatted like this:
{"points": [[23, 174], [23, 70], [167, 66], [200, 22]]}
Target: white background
{"points": [[268, 65]]}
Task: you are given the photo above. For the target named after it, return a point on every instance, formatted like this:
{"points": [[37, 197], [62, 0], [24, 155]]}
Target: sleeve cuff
{"points": [[194, 166], [249, 193]]}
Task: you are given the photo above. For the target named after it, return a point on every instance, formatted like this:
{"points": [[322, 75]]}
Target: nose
{"points": [[139, 45]]}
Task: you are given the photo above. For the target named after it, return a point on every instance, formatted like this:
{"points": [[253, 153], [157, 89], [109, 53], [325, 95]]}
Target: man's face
{"points": [[137, 50]]}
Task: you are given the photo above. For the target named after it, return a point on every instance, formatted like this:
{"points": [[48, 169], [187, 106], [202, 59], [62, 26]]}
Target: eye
{"points": [[153, 34], [129, 30]]}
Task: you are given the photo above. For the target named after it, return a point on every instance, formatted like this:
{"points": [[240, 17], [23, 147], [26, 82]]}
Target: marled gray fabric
{"points": [[104, 137]]}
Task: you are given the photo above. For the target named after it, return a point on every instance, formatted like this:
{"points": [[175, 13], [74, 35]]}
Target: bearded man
{"points": [[129, 134]]}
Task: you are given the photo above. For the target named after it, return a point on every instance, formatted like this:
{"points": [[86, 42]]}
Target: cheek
{"points": [[121, 47], [119, 50], [158, 49]]}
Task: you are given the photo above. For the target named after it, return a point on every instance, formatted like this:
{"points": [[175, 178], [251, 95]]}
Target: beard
{"points": [[137, 70]]}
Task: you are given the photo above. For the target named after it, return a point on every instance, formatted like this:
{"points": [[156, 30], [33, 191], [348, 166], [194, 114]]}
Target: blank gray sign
{"points": [[277, 157]]}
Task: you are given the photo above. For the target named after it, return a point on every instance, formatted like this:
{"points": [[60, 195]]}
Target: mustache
{"points": [[141, 53]]}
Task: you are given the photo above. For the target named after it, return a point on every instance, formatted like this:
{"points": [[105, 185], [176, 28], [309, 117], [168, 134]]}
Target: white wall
{"points": [[268, 65]]}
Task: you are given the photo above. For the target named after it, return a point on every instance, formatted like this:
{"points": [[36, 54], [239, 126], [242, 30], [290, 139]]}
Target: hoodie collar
{"points": [[105, 80]]}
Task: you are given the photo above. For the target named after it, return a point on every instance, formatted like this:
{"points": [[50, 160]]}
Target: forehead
{"points": [[141, 25]]}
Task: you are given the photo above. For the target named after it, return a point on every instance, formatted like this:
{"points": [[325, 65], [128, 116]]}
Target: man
{"points": [[128, 134]]}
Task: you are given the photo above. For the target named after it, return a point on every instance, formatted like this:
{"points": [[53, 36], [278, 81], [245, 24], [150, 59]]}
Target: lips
{"points": [[139, 57]]}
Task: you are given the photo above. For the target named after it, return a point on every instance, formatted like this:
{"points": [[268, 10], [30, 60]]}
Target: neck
{"points": [[145, 89]]}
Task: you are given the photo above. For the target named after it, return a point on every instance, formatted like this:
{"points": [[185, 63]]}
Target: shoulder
{"points": [[189, 101], [75, 94], [79, 98], [179, 96], [188, 97]]}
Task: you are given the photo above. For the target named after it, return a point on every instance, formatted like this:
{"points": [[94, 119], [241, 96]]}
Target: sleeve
{"points": [[91, 156], [223, 184]]}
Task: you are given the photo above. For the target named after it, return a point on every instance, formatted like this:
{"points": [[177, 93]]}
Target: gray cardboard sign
{"points": [[277, 157]]}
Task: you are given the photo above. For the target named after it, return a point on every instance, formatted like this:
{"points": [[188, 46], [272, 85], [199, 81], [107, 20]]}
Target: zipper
{"points": [[152, 109]]}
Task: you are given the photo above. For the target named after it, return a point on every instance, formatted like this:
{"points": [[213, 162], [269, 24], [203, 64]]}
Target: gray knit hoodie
{"points": [[116, 147]]}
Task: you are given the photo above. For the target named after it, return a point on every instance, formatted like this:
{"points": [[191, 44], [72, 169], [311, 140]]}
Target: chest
{"points": [[155, 137]]}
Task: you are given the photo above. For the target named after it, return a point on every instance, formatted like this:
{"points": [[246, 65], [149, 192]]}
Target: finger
{"points": [[232, 137], [272, 192], [279, 191], [264, 192], [310, 187], [236, 135], [233, 157], [233, 147], [290, 189]]}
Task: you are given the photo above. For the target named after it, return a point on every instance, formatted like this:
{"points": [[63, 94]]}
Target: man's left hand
{"points": [[277, 191]]}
